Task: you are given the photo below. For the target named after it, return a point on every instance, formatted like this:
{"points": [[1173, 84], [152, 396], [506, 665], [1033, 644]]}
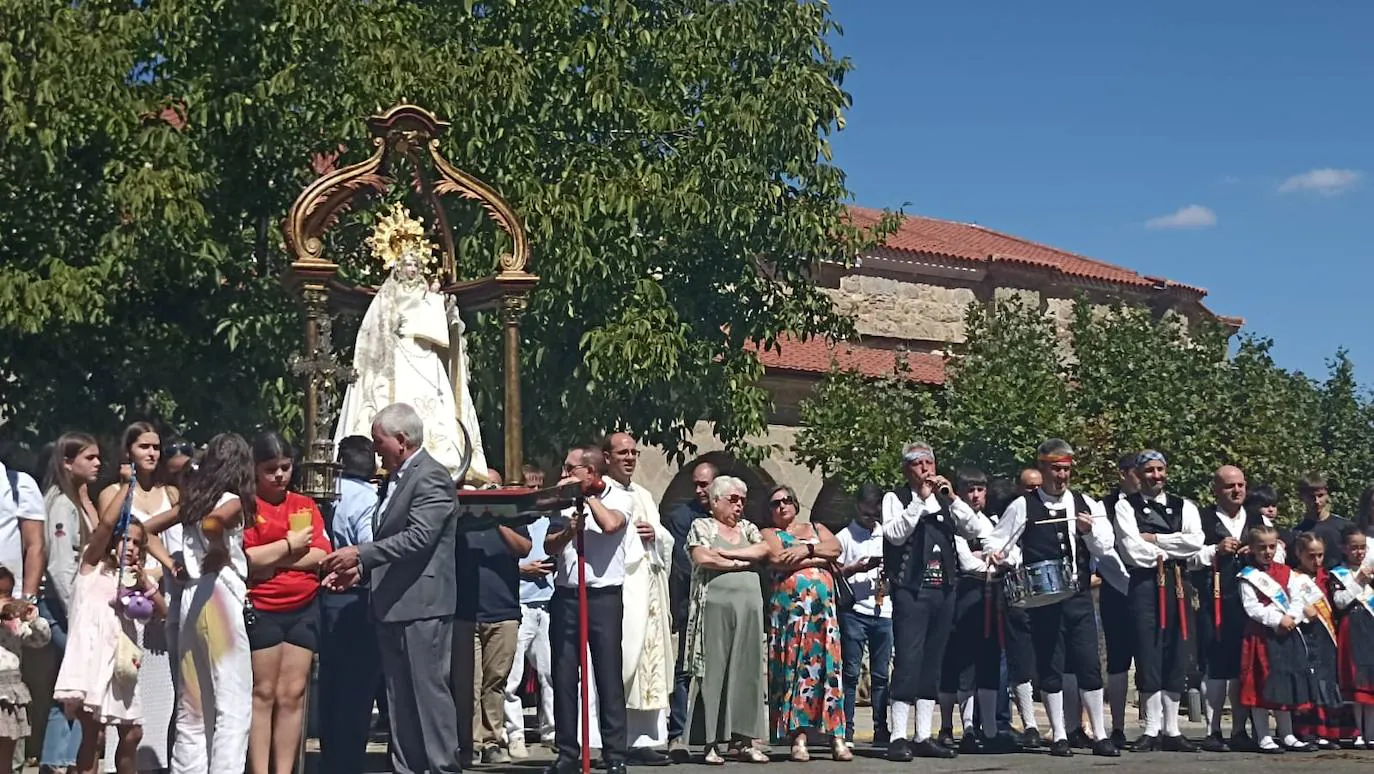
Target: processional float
{"points": [[406, 173]]}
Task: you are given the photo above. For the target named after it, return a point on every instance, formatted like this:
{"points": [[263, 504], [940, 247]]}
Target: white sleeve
{"points": [[30, 498], [1188, 540], [1132, 547], [1343, 597], [1007, 534], [1101, 540], [969, 523], [846, 546], [1267, 616], [1202, 560], [899, 522]]}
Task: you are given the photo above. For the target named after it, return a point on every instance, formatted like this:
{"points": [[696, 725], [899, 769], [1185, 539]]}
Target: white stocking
{"points": [[1054, 707], [1171, 701], [898, 720], [925, 716], [1154, 711], [1096, 722], [1025, 704]]}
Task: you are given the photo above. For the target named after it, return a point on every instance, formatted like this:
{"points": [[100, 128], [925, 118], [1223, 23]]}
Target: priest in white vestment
{"points": [[647, 637], [407, 333]]}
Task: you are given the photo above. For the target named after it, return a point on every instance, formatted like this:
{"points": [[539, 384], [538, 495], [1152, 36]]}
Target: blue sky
{"points": [[1077, 123]]}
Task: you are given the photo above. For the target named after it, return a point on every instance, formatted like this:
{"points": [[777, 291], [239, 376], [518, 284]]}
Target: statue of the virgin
{"points": [[408, 332]]}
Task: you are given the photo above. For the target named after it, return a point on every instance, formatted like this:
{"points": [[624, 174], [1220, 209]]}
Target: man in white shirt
{"points": [[1156, 535], [21, 531], [1053, 524], [1226, 526], [919, 524], [869, 621], [601, 520]]}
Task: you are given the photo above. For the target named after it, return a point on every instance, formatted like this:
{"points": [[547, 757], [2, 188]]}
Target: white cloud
{"points": [[1192, 216], [1325, 181]]}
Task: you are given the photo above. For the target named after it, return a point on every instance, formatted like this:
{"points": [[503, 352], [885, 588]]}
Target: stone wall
{"points": [[895, 309]]}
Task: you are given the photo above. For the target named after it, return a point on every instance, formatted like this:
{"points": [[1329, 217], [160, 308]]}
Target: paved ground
{"points": [[868, 759]]}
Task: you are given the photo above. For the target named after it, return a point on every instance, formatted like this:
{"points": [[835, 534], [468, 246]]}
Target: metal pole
{"points": [[582, 627]]}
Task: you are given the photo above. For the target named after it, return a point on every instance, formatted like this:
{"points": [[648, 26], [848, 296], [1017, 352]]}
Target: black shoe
{"points": [[946, 738], [1001, 744], [929, 748], [561, 766], [645, 756], [1079, 740], [615, 768], [678, 752], [1242, 742], [1030, 738], [897, 750], [881, 737], [1275, 750], [1060, 748], [466, 759], [1104, 748], [1214, 743], [971, 743], [1300, 747], [1178, 743], [1119, 741], [1146, 743]]}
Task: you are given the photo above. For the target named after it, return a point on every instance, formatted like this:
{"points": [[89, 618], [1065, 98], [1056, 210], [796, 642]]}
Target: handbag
{"points": [[844, 593]]}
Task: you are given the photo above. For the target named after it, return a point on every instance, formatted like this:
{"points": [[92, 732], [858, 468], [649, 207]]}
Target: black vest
{"points": [[932, 540], [1154, 518], [1228, 567], [1109, 503], [1046, 542]]}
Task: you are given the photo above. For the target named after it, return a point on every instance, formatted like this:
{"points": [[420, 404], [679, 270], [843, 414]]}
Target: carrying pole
{"points": [[582, 637]]}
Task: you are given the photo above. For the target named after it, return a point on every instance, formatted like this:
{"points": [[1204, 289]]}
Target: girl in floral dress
{"points": [[20, 627], [804, 668]]}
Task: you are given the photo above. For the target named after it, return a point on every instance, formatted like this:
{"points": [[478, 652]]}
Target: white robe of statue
{"points": [[647, 644], [399, 356]]}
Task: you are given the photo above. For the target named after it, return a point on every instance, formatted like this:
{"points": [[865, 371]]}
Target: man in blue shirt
{"points": [[350, 666], [678, 520], [532, 644]]}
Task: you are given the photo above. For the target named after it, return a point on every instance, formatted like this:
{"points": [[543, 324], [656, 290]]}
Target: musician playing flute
{"points": [[1221, 617], [1053, 524], [920, 521], [1157, 534]]}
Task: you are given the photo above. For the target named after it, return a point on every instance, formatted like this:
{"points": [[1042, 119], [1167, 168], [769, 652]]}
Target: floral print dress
{"points": [[804, 688]]}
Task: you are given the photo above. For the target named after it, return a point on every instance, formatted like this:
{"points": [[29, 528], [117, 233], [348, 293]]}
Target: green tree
{"points": [[1005, 392], [670, 160], [1344, 431], [854, 427]]}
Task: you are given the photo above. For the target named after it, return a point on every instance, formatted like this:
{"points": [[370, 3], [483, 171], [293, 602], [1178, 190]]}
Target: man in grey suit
{"points": [[410, 570]]}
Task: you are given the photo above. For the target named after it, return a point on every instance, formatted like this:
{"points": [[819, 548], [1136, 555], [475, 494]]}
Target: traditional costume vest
{"points": [[1228, 567], [927, 558], [1157, 518], [1046, 542]]}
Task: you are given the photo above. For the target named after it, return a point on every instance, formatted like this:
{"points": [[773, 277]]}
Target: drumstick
{"points": [[1063, 520]]}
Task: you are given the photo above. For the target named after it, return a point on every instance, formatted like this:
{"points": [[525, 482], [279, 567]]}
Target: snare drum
{"points": [[1041, 583]]}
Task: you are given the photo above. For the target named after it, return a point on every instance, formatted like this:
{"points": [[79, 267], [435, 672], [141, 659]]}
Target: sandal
{"points": [[839, 751], [751, 754], [799, 752], [713, 757]]}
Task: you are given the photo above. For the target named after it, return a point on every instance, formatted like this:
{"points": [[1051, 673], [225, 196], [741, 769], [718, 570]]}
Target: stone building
{"points": [[911, 294]]}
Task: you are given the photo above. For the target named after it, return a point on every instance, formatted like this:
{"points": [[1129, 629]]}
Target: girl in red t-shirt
{"points": [[284, 544]]}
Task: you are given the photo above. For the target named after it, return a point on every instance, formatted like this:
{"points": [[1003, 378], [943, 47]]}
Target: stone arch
{"points": [[680, 489], [833, 506]]}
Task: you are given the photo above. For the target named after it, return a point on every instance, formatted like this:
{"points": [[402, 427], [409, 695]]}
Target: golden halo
{"points": [[396, 234]]}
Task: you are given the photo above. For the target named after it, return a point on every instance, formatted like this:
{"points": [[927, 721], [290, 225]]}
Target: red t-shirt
{"points": [[287, 590]]}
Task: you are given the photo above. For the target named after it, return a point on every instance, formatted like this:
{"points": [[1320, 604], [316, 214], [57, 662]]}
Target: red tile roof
{"points": [[818, 355], [971, 242]]}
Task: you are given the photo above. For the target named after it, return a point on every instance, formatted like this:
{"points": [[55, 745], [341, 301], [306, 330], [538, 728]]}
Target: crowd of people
{"points": [[188, 597]]}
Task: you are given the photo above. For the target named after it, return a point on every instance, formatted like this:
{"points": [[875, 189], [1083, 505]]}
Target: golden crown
{"points": [[396, 234]]}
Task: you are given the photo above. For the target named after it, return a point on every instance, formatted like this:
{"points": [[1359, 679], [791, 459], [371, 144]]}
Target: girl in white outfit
{"points": [[215, 706]]}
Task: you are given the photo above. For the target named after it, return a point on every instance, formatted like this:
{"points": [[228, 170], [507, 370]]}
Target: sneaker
{"points": [[494, 754], [516, 747]]}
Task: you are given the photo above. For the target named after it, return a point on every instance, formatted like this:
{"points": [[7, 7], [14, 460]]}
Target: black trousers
{"points": [[350, 672], [1118, 628], [605, 620], [1065, 637], [973, 660], [1161, 661], [1218, 649], [1020, 645], [921, 624]]}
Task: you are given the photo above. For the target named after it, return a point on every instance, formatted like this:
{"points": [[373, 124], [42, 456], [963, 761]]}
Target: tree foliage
{"points": [[1114, 381], [670, 160]]}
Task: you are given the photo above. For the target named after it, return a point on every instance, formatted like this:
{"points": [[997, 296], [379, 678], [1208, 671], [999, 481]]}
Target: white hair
{"points": [[400, 419], [724, 486]]}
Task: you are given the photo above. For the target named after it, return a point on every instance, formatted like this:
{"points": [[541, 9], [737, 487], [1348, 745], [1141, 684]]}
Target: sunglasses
{"points": [[779, 503], [734, 499], [183, 449]]}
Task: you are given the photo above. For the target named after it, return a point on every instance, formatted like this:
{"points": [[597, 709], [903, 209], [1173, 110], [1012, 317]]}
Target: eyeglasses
{"points": [[571, 468], [626, 452], [734, 499], [779, 503]]}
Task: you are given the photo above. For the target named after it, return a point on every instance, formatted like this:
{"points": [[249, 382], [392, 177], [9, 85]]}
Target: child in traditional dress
{"points": [[20, 627], [98, 680], [1273, 658], [1326, 721], [1351, 593]]}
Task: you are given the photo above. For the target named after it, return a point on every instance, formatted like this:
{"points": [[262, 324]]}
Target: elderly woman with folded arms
{"points": [[725, 629]]}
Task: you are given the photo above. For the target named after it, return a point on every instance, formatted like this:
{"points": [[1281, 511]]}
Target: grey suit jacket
{"points": [[410, 561]]}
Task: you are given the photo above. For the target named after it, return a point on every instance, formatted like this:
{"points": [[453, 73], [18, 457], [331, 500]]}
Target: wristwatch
{"points": [[31, 599], [811, 549]]}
